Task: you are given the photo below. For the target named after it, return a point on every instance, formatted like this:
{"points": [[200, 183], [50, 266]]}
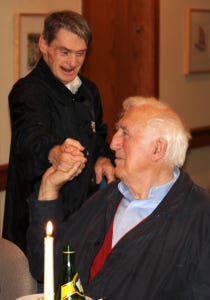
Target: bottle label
{"points": [[72, 287]]}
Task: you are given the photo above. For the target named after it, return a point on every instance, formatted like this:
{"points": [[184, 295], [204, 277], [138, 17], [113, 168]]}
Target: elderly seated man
{"points": [[145, 236]]}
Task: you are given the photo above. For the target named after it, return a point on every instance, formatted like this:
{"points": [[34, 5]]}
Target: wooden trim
{"points": [[200, 137], [3, 177], [157, 46]]}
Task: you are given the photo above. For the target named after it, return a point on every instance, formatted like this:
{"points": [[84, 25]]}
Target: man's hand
{"points": [[54, 179], [104, 167], [63, 157], [68, 161]]}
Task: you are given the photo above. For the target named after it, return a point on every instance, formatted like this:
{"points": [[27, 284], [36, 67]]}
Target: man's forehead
{"points": [[67, 36], [132, 119], [134, 114]]}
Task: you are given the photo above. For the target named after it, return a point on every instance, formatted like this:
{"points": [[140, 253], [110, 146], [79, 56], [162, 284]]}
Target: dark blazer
{"points": [[165, 257], [43, 114]]}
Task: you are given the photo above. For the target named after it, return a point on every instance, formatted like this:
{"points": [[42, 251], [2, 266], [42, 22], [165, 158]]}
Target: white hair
{"points": [[162, 121]]}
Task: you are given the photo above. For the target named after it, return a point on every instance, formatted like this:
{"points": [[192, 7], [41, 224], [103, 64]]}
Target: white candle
{"points": [[48, 263]]}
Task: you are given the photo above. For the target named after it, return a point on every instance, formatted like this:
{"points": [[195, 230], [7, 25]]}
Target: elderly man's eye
{"points": [[125, 132]]}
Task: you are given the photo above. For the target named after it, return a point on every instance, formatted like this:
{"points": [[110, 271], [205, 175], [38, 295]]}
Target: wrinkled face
{"points": [[132, 149], [65, 55]]}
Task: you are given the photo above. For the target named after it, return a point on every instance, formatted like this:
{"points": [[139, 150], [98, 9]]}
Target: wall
{"points": [[188, 94], [7, 13]]}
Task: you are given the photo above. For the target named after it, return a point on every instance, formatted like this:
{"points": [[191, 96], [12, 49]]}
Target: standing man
{"points": [[56, 119], [146, 236]]}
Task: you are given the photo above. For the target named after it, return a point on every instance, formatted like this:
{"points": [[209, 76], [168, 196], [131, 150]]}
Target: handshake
{"points": [[67, 162]]}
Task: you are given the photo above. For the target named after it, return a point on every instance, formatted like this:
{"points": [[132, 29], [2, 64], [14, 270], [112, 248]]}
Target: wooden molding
{"points": [[3, 177]]}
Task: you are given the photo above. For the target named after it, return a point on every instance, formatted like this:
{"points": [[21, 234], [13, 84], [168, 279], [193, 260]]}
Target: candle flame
{"points": [[49, 228]]}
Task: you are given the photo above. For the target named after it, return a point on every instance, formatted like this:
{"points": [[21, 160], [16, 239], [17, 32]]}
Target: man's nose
{"points": [[72, 59], [116, 141]]}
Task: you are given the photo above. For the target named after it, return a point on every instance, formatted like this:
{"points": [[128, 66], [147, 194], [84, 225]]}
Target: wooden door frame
{"points": [[156, 42]]}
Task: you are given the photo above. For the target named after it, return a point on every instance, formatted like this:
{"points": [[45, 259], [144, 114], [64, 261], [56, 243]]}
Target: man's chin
{"points": [[118, 172]]}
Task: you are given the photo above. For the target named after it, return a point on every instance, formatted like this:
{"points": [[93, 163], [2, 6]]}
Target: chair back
{"points": [[15, 277]]}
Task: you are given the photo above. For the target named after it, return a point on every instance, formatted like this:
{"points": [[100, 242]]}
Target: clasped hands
{"points": [[68, 161]]}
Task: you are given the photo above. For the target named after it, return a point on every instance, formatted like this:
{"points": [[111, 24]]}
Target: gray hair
{"points": [[69, 20], [163, 121]]}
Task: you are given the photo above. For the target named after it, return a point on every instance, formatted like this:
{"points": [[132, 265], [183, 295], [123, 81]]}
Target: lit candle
{"points": [[48, 263]]}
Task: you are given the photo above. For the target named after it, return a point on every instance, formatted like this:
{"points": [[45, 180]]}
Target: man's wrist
{"points": [[47, 192], [47, 195]]}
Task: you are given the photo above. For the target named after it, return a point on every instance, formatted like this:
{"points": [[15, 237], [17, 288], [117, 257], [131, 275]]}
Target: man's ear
{"points": [[159, 148], [42, 44]]}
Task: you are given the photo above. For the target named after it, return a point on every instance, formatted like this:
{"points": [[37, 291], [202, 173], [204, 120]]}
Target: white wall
{"points": [[188, 94], [7, 12]]}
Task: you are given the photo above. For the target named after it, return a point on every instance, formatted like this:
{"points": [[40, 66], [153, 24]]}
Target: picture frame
{"points": [[27, 29], [197, 48]]}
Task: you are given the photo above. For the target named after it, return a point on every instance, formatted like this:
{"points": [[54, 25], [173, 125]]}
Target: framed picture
{"points": [[197, 50], [27, 29]]}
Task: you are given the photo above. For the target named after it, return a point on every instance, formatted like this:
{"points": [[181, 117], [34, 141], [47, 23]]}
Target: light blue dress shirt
{"points": [[132, 211]]}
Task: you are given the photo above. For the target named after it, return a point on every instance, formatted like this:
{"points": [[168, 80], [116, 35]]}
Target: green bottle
{"points": [[69, 284]]}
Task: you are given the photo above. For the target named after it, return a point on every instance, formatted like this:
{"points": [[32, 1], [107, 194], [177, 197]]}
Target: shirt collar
{"points": [[74, 85], [156, 193]]}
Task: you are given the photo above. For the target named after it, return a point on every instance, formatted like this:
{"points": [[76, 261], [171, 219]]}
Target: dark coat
{"points": [[43, 114], [165, 257]]}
